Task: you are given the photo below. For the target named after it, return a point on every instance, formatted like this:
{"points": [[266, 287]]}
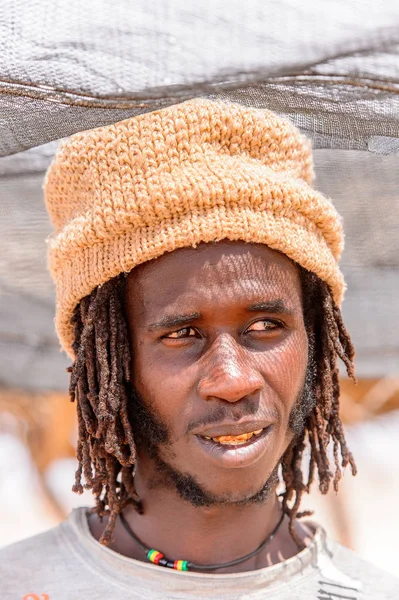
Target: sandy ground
{"points": [[364, 513]]}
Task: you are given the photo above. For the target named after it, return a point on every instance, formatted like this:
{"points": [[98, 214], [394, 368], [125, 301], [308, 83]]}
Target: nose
{"points": [[230, 374]]}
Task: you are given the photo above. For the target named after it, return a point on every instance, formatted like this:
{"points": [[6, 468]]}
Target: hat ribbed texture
{"points": [[199, 171]]}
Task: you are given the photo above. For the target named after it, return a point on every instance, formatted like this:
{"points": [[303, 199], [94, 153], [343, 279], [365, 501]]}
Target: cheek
{"points": [[163, 386], [286, 369]]}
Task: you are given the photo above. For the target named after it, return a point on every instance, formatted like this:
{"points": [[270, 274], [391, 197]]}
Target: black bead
{"points": [[163, 562]]}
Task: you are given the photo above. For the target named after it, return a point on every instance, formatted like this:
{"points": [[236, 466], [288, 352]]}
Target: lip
{"points": [[234, 457], [235, 428]]}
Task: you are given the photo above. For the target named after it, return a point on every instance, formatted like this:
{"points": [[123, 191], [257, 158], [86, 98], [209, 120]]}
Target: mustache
{"points": [[151, 432], [221, 413]]}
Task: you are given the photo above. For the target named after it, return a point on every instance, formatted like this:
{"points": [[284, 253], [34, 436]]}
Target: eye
{"points": [[185, 332], [265, 325]]}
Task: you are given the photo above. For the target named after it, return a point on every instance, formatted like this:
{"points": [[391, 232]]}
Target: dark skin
{"points": [[218, 337]]}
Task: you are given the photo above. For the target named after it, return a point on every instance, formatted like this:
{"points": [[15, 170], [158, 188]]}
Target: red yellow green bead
{"points": [[154, 556], [180, 565]]}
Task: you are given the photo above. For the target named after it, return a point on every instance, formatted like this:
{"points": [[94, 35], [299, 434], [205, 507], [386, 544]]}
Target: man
{"points": [[198, 295]]}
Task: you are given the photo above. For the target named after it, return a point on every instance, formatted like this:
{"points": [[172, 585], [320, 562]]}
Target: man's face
{"points": [[219, 349]]}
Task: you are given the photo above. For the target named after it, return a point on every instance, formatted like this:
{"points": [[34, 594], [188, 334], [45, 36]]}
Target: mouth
{"points": [[236, 450], [233, 440]]}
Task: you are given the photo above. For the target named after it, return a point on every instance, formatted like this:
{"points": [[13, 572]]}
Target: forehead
{"points": [[215, 274]]}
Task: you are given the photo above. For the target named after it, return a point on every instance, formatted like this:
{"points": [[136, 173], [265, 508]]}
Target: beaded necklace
{"points": [[158, 558]]}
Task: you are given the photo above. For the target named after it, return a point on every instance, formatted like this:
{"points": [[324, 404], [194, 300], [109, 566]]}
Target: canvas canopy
{"points": [[332, 67]]}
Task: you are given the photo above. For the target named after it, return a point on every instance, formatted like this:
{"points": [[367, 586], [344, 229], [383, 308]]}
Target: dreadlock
{"points": [[101, 377], [328, 341]]}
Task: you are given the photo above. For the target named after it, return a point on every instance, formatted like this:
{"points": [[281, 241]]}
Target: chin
{"points": [[227, 491]]}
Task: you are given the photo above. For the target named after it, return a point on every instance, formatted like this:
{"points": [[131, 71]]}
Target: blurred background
{"points": [[333, 69]]}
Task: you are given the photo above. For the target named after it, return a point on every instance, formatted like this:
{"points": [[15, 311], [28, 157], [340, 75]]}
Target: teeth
{"points": [[235, 440]]}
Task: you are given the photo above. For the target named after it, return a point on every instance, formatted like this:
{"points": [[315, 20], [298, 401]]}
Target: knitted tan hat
{"points": [[200, 171]]}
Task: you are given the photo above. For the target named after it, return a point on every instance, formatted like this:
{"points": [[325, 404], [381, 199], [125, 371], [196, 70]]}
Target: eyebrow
{"points": [[174, 321], [271, 306]]}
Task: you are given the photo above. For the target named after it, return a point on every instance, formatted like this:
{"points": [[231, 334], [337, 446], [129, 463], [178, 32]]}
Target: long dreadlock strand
{"points": [[323, 425], [98, 384]]}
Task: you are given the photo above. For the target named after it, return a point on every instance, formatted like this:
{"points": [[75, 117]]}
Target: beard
{"points": [[151, 435]]}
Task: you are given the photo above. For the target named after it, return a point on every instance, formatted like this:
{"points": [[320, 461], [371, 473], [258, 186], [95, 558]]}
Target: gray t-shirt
{"points": [[67, 563]]}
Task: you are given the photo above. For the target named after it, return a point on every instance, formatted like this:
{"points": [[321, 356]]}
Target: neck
{"points": [[203, 535]]}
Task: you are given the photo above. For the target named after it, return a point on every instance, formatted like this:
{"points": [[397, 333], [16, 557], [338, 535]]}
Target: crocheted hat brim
{"points": [[131, 248]]}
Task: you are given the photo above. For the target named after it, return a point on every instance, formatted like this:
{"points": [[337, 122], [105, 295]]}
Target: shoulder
{"points": [[38, 564], [32, 549], [33, 558], [374, 583]]}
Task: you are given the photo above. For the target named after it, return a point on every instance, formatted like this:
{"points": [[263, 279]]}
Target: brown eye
{"points": [[181, 333], [264, 325]]}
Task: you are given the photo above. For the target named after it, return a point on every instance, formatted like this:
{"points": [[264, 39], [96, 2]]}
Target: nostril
{"points": [[230, 388]]}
